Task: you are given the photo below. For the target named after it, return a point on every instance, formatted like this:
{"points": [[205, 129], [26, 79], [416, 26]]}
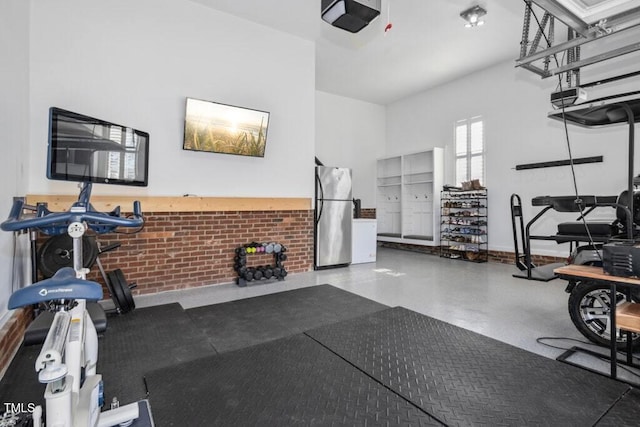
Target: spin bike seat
{"points": [[63, 285]]}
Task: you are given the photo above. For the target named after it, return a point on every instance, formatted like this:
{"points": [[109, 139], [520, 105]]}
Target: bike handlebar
{"points": [[95, 220]]}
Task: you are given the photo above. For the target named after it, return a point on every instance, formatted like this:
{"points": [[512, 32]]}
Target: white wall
{"points": [[514, 104], [14, 107], [351, 133], [134, 63]]}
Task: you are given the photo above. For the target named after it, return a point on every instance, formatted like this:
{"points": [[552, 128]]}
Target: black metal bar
{"points": [[631, 121], [628, 333], [516, 212], [564, 358], [527, 248], [554, 163], [613, 336]]}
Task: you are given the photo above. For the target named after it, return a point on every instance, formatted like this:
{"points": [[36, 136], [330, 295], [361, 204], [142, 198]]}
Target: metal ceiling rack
{"points": [[537, 55]]}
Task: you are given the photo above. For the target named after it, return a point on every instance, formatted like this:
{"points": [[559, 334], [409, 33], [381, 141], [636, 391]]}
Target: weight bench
{"points": [[37, 331]]}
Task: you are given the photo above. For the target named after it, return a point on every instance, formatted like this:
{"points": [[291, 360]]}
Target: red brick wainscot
{"points": [[186, 242], [191, 249]]}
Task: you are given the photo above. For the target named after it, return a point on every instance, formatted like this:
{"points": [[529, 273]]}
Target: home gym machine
{"points": [[68, 359]]}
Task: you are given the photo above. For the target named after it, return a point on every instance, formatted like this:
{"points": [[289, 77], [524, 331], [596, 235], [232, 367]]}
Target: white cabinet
{"points": [[364, 245], [408, 197], [388, 199]]}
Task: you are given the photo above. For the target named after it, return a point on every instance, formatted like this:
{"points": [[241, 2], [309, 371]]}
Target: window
{"points": [[470, 151]]}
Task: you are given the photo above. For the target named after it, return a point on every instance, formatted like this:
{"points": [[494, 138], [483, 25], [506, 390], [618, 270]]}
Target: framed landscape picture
{"points": [[220, 128]]}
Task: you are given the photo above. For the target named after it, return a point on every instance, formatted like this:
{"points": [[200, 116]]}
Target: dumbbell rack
{"points": [[267, 272]]}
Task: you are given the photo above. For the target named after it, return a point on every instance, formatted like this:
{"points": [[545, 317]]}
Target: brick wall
{"points": [[186, 250], [432, 250], [494, 256], [368, 213], [510, 258], [11, 336]]}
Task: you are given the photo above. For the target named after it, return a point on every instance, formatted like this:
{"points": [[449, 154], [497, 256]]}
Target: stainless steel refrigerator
{"points": [[333, 215]]}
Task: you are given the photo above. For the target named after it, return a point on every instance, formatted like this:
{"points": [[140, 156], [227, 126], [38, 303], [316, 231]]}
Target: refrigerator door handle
{"points": [[320, 200]]}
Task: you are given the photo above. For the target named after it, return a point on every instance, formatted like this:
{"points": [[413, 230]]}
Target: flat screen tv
{"points": [[86, 149], [220, 128]]}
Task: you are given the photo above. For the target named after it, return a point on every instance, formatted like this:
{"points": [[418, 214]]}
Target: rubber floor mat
{"points": [[133, 343], [291, 381], [242, 323], [624, 413], [144, 339], [464, 378]]}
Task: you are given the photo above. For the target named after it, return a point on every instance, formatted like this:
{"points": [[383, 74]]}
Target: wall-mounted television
{"points": [[220, 128], [86, 149]]}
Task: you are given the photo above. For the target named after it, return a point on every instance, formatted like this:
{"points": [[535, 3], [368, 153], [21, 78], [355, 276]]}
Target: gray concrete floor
{"points": [[483, 297]]}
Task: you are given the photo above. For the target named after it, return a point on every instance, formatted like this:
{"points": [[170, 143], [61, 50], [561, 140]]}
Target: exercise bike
{"points": [[68, 359]]}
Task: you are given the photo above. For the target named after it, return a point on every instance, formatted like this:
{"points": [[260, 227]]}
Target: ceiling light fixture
{"points": [[473, 15]]}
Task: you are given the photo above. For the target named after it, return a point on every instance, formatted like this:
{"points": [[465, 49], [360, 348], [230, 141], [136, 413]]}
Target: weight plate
{"points": [[126, 290], [118, 295], [57, 252]]}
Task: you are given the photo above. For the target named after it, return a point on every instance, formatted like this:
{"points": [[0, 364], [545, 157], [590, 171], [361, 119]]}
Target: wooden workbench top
{"points": [[592, 272]]}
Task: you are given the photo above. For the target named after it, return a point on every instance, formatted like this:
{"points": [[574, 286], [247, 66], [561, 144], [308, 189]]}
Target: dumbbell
{"points": [[241, 251], [258, 274], [277, 247], [240, 260], [248, 275], [283, 273], [276, 271], [269, 247], [268, 272], [282, 256]]}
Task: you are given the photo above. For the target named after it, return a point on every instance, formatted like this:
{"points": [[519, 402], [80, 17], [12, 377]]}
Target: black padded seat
{"points": [[601, 231], [37, 331]]}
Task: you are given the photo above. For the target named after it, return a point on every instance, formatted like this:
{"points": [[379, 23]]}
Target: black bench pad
{"points": [[37, 331]]}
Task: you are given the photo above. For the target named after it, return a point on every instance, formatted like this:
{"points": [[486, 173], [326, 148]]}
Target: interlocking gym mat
{"points": [[145, 339], [291, 381], [463, 378], [241, 323], [160, 336], [391, 367]]}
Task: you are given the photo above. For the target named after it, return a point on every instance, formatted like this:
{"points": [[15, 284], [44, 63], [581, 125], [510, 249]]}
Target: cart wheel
{"points": [[589, 308]]}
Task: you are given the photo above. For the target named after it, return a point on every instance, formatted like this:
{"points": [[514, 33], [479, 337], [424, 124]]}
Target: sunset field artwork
{"points": [[220, 128]]}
